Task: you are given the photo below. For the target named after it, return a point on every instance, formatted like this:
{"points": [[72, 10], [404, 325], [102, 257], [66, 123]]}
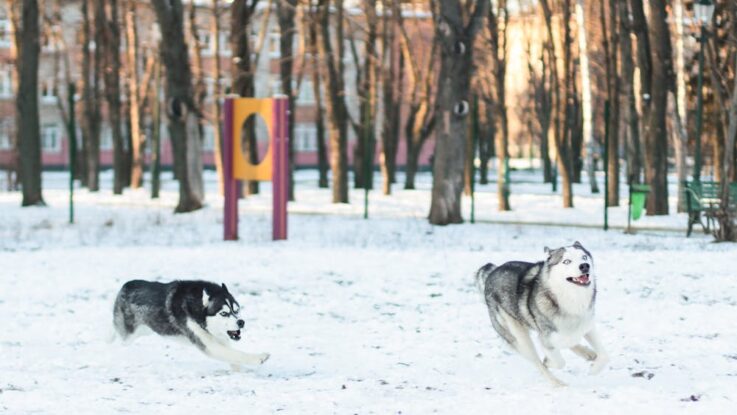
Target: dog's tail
{"points": [[481, 275]]}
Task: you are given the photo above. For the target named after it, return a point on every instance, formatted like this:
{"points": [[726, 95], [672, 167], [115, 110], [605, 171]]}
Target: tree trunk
{"points": [[727, 230], [559, 98], [366, 134], [217, 95], [634, 155], [680, 136], [287, 11], [611, 49], [92, 99], [335, 103], [317, 75], [108, 14], [391, 82], [453, 106], [498, 31], [243, 74], [134, 105], [180, 104], [656, 138], [28, 129], [588, 134]]}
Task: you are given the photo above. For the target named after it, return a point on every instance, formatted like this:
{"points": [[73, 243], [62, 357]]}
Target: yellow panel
{"points": [[242, 109]]}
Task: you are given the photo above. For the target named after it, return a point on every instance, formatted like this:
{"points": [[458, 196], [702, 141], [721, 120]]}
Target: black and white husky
{"points": [[554, 298], [203, 313]]}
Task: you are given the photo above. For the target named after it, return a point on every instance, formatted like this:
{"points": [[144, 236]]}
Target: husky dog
{"points": [[554, 297], [203, 313]]}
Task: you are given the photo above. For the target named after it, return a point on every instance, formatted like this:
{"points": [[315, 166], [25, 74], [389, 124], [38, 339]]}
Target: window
{"points": [[225, 43], [205, 42], [6, 140], [208, 138], [6, 81], [306, 93], [274, 51], [5, 32], [305, 136], [48, 92], [51, 138], [274, 86], [106, 138]]}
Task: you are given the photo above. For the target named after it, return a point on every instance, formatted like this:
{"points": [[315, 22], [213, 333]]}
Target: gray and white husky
{"points": [[200, 312], [554, 298]]}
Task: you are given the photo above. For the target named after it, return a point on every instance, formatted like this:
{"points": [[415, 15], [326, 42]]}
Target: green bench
{"points": [[705, 197]]}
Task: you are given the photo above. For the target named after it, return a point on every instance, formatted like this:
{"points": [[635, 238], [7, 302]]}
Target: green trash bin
{"points": [[638, 196]]}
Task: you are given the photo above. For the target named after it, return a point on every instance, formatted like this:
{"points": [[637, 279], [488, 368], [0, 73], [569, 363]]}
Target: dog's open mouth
{"points": [[580, 280], [234, 334]]}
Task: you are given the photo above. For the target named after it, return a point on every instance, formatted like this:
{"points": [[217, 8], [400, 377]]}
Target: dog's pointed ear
{"points": [[205, 298], [577, 245], [225, 288], [547, 250]]}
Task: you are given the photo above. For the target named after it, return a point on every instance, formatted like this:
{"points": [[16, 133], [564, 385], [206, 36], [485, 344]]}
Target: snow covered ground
{"points": [[360, 316]]}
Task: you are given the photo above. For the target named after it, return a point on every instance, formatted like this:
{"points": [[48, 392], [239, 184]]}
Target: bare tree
{"points": [[366, 79], [498, 22], [630, 114], [241, 15], [420, 122], [286, 9], [391, 83], [560, 95], [656, 137], [332, 54], [611, 54], [456, 39], [312, 21], [107, 18], [28, 128], [91, 96], [588, 111], [134, 94], [180, 106]]}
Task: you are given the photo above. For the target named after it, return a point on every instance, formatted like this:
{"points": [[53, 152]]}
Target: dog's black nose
{"points": [[584, 268], [241, 323]]}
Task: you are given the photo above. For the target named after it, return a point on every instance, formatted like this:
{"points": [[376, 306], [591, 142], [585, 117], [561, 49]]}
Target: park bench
{"points": [[705, 197]]}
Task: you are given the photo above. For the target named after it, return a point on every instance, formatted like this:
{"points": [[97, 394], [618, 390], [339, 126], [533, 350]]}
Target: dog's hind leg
{"points": [[523, 344], [553, 359], [584, 352], [602, 358]]}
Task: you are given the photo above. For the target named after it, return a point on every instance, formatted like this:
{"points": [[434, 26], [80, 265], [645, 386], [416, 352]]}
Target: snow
{"points": [[360, 316]]}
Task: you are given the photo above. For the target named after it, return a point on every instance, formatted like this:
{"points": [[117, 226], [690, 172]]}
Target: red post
{"points": [[230, 184], [280, 166]]}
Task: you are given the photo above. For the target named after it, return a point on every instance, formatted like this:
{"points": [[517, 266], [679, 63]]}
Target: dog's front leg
{"points": [[602, 358], [232, 356]]}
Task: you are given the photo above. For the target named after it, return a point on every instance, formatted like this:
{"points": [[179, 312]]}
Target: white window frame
{"points": [[6, 81], [5, 32], [49, 131], [305, 136], [6, 140]]}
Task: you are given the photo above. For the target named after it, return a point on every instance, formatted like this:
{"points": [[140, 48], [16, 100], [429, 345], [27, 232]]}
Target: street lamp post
{"points": [[703, 11]]}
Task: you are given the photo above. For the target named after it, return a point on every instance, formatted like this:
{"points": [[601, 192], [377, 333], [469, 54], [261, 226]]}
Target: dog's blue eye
{"points": [[224, 314], [567, 261]]}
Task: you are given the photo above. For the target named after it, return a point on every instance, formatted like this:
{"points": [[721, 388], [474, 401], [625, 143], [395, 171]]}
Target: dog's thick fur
{"points": [[554, 298], [203, 313]]}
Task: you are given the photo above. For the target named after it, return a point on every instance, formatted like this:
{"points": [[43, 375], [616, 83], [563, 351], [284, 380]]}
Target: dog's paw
{"points": [[557, 363], [263, 357], [599, 364]]}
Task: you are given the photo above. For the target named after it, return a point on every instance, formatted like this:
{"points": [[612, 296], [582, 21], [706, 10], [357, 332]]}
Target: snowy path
{"points": [[376, 316]]}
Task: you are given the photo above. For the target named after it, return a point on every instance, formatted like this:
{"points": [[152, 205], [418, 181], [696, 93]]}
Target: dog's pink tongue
{"points": [[584, 278]]}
